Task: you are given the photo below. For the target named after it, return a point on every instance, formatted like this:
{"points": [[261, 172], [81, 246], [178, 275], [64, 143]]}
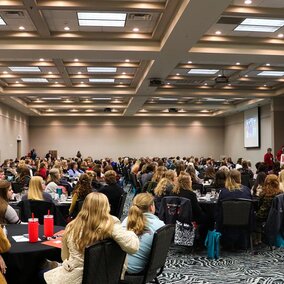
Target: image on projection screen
{"points": [[251, 128]]}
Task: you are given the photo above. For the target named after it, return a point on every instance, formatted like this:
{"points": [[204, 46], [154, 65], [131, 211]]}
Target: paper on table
{"points": [[22, 239]]}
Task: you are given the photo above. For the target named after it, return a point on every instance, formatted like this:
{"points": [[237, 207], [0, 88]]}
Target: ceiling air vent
{"points": [[139, 17], [230, 20], [14, 14]]}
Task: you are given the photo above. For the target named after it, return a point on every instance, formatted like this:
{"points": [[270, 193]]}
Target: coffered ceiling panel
{"points": [[140, 58]]}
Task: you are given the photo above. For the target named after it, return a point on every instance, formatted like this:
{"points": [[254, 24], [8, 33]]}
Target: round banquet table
{"points": [[23, 260]]}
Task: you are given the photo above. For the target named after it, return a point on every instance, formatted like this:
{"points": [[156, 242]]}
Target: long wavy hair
{"points": [[136, 220], [4, 187], [83, 187], [270, 186], [160, 189], [233, 180], [183, 182], [93, 223], [35, 188]]}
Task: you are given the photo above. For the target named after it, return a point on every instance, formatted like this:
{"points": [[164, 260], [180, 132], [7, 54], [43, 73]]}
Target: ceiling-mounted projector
{"points": [[156, 82], [221, 79]]}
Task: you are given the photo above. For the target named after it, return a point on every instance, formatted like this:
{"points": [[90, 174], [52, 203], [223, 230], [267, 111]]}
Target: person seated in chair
{"points": [[93, 223], [7, 213], [142, 221], [233, 190], [112, 190], [81, 190], [4, 247], [36, 190]]}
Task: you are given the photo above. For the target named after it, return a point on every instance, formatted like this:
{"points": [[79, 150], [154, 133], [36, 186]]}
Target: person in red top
{"points": [[279, 153], [42, 170], [268, 159]]}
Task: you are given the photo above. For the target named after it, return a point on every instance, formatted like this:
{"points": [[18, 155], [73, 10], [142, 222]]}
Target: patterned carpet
{"points": [[262, 267]]}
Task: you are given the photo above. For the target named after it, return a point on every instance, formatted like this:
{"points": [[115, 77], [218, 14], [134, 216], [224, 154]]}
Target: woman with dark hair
{"points": [[220, 179], [112, 190], [7, 213], [81, 190], [74, 171], [258, 184], [209, 174], [42, 170], [24, 176]]}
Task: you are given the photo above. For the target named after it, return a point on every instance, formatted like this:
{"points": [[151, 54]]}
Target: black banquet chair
{"points": [[103, 263], [120, 206], [40, 208], [158, 255], [238, 214]]}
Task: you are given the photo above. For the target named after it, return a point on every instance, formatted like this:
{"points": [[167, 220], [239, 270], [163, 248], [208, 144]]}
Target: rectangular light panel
{"points": [[101, 99], [95, 80], [2, 23], [34, 80], [271, 73], [168, 99], [51, 99], [263, 29], [102, 69], [263, 22], [101, 19], [24, 69], [203, 71]]}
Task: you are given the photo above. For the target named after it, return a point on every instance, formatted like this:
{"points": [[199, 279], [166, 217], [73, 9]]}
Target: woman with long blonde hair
{"points": [[142, 221], [281, 180], [36, 190], [93, 223]]}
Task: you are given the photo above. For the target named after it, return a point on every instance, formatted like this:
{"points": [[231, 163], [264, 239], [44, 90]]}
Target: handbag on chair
{"points": [[184, 234]]}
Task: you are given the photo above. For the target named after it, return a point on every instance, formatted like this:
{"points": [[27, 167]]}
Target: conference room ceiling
{"points": [[140, 58]]}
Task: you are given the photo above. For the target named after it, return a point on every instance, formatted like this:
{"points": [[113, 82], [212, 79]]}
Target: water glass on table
{"points": [[48, 224]]}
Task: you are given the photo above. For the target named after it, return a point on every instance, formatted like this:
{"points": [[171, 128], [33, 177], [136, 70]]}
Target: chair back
{"points": [[121, 205], [17, 187], [237, 212], [40, 208], [103, 263], [175, 208]]}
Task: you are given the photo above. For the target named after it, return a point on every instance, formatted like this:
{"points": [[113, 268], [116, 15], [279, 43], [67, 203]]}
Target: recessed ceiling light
{"points": [[102, 80], [17, 82], [229, 84], [5, 72], [41, 59], [246, 75], [218, 33], [21, 28], [34, 80], [49, 110], [267, 64], [81, 82], [123, 73], [74, 110], [24, 69], [249, 28], [135, 30], [2, 22], [189, 62], [68, 101], [127, 60], [101, 19], [280, 35], [177, 74], [56, 82], [89, 110], [238, 63], [264, 85], [168, 83], [205, 84], [66, 28], [271, 73], [203, 71], [49, 72], [248, 2], [79, 72], [76, 59], [102, 69]]}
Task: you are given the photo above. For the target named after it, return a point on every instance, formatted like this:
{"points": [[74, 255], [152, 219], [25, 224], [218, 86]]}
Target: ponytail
{"points": [[136, 219]]}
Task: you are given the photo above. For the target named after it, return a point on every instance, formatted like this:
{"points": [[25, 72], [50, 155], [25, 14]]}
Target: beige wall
{"points": [[234, 136], [12, 124], [135, 136]]}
